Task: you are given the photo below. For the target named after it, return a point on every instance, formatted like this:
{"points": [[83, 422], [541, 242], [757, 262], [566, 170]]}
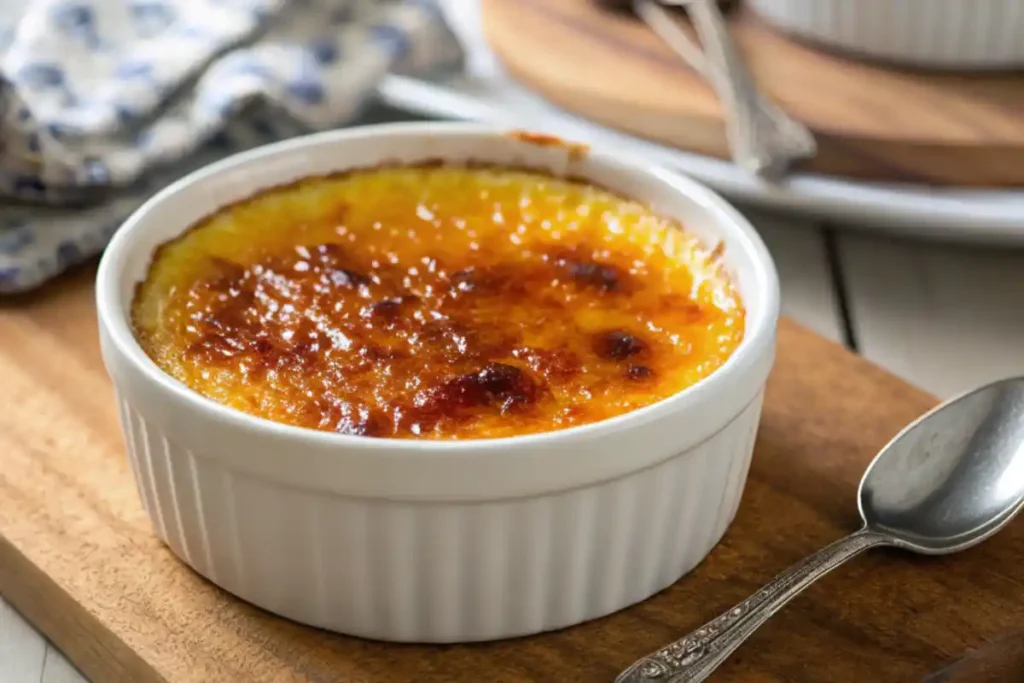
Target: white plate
{"points": [[486, 94]]}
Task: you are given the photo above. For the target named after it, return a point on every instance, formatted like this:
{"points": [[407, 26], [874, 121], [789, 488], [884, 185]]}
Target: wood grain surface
{"points": [[998, 661], [78, 559], [870, 121]]}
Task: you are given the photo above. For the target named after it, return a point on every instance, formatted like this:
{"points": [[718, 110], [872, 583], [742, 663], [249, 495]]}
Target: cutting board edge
{"points": [[80, 635]]}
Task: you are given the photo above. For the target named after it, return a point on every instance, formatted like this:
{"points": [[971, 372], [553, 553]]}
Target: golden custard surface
{"points": [[437, 302]]}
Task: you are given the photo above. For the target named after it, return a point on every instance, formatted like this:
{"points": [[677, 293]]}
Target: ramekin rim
{"points": [[113, 315]]}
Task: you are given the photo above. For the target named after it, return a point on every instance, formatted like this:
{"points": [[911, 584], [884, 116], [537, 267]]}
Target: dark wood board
{"points": [[78, 558]]}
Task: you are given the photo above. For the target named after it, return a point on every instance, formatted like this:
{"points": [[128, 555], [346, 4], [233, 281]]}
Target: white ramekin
{"points": [[430, 541], [949, 34]]}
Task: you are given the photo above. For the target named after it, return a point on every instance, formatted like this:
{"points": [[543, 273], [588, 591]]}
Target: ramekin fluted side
{"points": [[973, 34], [425, 571]]}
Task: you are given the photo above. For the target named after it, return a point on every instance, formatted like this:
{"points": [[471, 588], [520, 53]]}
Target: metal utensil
{"points": [[945, 483], [762, 138]]}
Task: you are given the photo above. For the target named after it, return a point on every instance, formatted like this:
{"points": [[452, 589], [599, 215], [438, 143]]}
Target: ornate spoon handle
{"points": [[696, 656]]}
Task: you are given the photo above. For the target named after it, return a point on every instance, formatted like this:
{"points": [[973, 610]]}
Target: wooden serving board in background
{"points": [[78, 558], [871, 121]]}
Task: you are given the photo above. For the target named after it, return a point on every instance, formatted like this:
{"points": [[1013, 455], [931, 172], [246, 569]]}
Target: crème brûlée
{"points": [[437, 302]]}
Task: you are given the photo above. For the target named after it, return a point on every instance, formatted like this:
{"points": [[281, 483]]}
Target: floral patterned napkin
{"points": [[103, 102]]}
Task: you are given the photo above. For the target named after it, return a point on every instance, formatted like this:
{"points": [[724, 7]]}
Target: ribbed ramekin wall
{"points": [[966, 33], [442, 572]]}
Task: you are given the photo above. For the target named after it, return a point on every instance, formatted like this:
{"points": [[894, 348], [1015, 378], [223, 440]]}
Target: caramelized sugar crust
{"points": [[437, 302]]}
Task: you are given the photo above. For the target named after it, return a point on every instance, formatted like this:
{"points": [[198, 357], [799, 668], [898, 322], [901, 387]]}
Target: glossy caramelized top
{"points": [[437, 302]]}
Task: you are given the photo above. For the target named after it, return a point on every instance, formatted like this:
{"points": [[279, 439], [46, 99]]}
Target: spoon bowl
{"points": [[945, 483], [952, 478]]}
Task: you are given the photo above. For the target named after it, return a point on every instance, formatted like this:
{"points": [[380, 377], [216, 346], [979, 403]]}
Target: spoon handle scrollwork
{"points": [[696, 656]]}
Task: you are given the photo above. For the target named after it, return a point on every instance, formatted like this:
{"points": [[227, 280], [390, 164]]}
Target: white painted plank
{"points": [[944, 317], [57, 669], [798, 248], [22, 649]]}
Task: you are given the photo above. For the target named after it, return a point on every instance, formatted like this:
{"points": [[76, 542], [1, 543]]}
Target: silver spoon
{"points": [[945, 483], [762, 138]]}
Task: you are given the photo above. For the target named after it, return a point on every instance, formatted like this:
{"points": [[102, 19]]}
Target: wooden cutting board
{"points": [[78, 558], [870, 121]]}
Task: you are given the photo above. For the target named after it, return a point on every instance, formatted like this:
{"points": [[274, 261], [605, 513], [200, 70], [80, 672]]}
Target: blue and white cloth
{"points": [[103, 102]]}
